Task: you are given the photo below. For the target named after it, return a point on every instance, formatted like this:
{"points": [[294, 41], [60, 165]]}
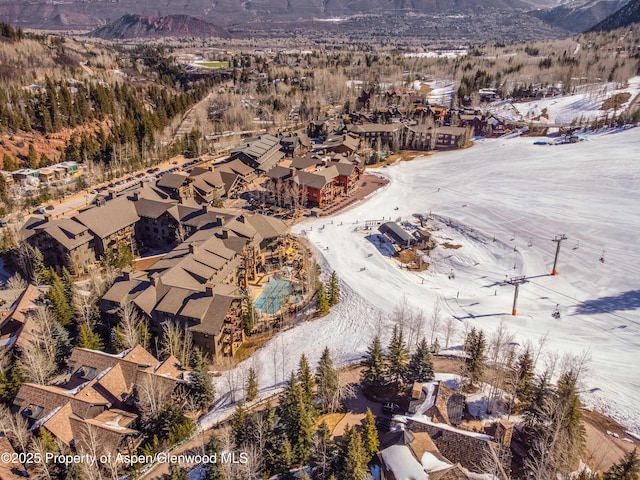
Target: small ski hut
{"points": [[398, 235]]}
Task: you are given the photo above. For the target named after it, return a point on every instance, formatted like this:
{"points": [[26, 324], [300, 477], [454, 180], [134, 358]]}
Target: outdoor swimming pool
{"points": [[273, 296]]}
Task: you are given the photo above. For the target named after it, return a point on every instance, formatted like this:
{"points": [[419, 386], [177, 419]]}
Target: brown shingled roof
{"points": [[108, 219]]}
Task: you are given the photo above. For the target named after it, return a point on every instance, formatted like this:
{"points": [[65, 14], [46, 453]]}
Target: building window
{"points": [[32, 411]]}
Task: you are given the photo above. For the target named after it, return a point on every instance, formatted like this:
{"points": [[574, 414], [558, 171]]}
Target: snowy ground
{"points": [[524, 195], [584, 106]]}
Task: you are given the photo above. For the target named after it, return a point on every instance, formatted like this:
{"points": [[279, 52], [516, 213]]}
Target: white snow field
{"points": [[523, 195]]}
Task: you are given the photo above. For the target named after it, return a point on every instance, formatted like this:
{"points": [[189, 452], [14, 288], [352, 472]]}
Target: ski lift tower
{"points": [[558, 240], [516, 282]]}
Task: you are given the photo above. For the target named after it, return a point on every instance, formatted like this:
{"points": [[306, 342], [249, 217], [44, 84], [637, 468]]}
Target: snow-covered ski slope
{"points": [[583, 106], [523, 195]]}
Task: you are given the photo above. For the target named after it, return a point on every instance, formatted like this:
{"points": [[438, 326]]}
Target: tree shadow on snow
{"points": [[625, 301]]}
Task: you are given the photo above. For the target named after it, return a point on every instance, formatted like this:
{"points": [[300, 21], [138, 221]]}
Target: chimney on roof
{"points": [[126, 274], [47, 217], [219, 220], [210, 168], [208, 288], [241, 219], [205, 208], [141, 183], [111, 195], [193, 248], [504, 432], [136, 195], [225, 233], [155, 279]]}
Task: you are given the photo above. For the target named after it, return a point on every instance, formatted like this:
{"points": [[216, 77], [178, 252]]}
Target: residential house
{"points": [[383, 134], [260, 153], [197, 283], [423, 137], [295, 144], [17, 325], [438, 402], [63, 243], [111, 224], [176, 185], [156, 227], [451, 137], [10, 470], [470, 449], [345, 144], [208, 185], [93, 407], [416, 450], [291, 187], [349, 171]]}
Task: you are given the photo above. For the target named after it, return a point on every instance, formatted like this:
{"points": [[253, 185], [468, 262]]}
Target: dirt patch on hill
{"points": [[451, 246], [603, 448], [412, 259], [52, 145], [615, 101]]}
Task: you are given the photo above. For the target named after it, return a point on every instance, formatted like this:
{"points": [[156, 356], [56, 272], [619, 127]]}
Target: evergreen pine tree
{"points": [[354, 462], [252, 385], [470, 340], [397, 357], [88, 339], [214, 470], [306, 378], [32, 157], [475, 347], [627, 469], [240, 425], [41, 273], [68, 284], [568, 402], [421, 365], [323, 454], [60, 305], [374, 365], [327, 381], [8, 163], [524, 379], [286, 459], [370, 434], [322, 301], [249, 315], [200, 385], [298, 418], [333, 290]]}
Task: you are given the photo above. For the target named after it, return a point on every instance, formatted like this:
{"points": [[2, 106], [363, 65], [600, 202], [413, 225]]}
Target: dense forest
{"points": [[105, 121]]}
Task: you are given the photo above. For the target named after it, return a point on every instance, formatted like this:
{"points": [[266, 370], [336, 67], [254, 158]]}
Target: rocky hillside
{"points": [[627, 15], [578, 15], [137, 26]]}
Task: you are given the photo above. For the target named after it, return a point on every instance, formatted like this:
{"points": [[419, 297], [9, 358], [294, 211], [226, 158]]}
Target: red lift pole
{"points": [[516, 282]]}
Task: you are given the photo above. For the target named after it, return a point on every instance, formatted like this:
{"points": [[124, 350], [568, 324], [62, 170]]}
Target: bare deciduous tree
{"points": [[434, 321], [15, 427], [36, 364], [153, 393], [131, 326], [176, 341], [449, 330]]}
